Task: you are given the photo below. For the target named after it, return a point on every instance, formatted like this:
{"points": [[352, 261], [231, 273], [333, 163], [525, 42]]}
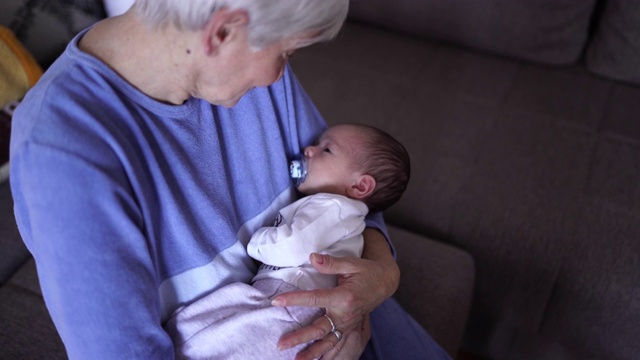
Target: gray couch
{"points": [[521, 118], [523, 122]]}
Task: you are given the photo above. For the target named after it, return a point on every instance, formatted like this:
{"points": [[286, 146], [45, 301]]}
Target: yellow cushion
{"points": [[19, 71]]}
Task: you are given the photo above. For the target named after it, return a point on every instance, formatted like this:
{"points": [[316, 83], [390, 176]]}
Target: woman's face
{"points": [[331, 162], [240, 69]]}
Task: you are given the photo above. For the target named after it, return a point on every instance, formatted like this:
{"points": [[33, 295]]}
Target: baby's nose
{"points": [[309, 151]]}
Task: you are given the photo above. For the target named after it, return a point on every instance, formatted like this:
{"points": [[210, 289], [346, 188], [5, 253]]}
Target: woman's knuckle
{"points": [[319, 332], [314, 300], [349, 300], [350, 318]]}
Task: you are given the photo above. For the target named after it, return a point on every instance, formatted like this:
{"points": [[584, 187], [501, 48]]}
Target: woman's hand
{"points": [[352, 344], [363, 284]]}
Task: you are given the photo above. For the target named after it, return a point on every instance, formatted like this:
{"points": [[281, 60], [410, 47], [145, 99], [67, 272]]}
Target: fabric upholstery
{"points": [[430, 270], [615, 49], [545, 31], [532, 169], [5, 137], [13, 253], [27, 331]]}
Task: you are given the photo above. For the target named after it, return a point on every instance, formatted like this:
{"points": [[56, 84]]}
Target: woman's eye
{"points": [[327, 150]]}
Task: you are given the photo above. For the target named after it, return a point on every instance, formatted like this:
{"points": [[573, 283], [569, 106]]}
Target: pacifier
{"points": [[298, 170]]}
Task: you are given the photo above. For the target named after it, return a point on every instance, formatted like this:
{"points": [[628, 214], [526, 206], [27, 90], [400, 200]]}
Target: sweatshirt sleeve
{"points": [[376, 221], [97, 276], [315, 226]]}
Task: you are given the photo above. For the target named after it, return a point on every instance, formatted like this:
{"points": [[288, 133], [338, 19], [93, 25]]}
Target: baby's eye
{"points": [[327, 150]]}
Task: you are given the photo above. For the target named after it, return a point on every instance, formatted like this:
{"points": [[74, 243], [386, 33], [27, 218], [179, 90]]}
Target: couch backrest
{"points": [[552, 32], [545, 31]]}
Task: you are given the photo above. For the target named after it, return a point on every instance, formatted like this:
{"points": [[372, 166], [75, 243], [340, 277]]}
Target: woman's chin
{"points": [[230, 103]]}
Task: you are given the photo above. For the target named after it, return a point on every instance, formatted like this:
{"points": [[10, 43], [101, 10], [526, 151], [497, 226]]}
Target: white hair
{"points": [[269, 20]]}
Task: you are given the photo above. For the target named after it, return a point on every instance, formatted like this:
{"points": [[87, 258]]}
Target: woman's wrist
{"points": [[376, 248]]}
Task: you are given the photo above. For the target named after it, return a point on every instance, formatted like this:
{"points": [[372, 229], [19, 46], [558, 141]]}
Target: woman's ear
{"points": [[363, 187], [223, 26]]}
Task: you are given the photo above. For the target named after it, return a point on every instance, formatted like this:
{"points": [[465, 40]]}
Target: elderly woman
{"points": [[150, 151]]}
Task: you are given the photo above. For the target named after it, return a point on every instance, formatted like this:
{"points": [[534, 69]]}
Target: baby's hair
{"points": [[387, 161]]}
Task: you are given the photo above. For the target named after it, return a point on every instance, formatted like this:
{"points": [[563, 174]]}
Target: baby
{"points": [[353, 169]]}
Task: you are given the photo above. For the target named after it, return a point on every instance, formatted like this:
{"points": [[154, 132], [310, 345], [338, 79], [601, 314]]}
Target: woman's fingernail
{"points": [[277, 302]]}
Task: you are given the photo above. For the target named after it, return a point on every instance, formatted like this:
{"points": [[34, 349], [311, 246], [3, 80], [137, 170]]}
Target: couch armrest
{"points": [[436, 285]]}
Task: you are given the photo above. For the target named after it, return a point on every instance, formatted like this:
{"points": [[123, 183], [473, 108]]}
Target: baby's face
{"points": [[330, 162]]}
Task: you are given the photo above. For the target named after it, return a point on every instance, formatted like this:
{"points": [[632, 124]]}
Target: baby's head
{"points": [[360, 162]]}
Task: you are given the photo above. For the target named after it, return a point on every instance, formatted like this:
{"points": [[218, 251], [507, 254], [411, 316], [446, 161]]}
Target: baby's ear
{"points": [[363, 187]]}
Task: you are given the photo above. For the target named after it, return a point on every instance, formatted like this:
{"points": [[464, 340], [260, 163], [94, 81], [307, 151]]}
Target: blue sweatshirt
{"points": [[132, 207]]}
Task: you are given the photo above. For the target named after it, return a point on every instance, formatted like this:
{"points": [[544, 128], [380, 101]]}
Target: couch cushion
{"points": [[12, 249], [436, 286], [546, 31], [26, 278], [27, 331], [615, 49], [532, 169]]}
